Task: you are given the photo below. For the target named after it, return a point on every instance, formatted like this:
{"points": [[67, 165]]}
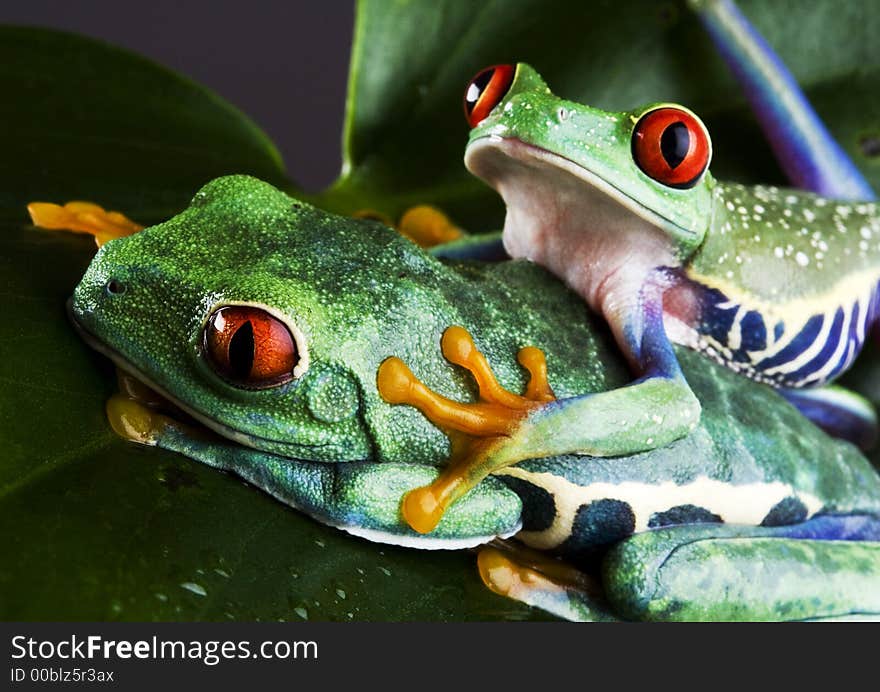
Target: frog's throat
{"points": [[488, 155], [572, 221], [264, 445]]}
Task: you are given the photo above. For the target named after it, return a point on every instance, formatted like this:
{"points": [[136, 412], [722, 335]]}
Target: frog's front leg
{"points": [[723, 572], [362, 498], [503, 428]]}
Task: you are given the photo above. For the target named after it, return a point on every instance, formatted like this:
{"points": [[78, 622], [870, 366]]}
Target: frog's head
{"points": [[257, 314], [559, 162]]}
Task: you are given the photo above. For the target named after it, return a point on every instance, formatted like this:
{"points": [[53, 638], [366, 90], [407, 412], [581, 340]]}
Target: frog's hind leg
{"points": [[838, 411], [538, 580], [807, 152], [825, 568]]}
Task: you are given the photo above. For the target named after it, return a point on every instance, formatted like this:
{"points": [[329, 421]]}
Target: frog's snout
{"points": [[96, 289], [83, 318]]}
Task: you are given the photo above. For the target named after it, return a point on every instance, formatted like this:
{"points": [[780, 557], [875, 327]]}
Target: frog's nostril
{"points": [[114, 287]]}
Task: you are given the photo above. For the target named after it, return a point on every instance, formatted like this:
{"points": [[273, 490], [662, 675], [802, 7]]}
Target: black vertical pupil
{"points": [[675, 143], [241, 351], [477, 87]]}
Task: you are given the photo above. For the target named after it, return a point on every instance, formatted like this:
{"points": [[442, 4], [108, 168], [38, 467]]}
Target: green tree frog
{"points": [[267, 320]]}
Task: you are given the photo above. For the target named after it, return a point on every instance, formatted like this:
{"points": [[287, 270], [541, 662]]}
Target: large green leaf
{"points": [[93, 528], [405, 132], [84, 120]]}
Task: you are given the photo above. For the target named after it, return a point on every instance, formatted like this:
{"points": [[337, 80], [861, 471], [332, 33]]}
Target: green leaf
{"points": [[405, 132], [84, 120]]}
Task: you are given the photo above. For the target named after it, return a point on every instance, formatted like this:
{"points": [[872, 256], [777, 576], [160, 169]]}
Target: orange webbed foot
{"points": [[478, 430], [82, 217], [425, 225]]}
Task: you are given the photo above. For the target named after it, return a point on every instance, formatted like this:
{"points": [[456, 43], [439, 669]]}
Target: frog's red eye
{"points": [[671, 146], [485, 91], [249, 348]]}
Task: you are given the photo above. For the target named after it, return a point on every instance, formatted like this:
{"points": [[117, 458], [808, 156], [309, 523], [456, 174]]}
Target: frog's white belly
{"points": [[750, 503]]}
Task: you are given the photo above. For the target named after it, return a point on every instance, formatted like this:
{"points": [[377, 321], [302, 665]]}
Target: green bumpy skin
{"points": [[356, 292], [359, 293], [744, 238], [703, 562]]}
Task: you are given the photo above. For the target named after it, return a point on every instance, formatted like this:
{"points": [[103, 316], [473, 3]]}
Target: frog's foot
{"points": [[430, 228], [138, 414], [543, 582], [480, 431], [425, 225], [838, 411], [82, 217]]}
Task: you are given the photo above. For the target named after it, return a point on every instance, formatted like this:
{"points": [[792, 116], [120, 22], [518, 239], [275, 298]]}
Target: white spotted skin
{"points": [[786, 254], [746, 504], [786, 249]]}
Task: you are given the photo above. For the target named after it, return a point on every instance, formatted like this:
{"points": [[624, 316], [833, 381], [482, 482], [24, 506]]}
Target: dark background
{"points": [[284, 64]]}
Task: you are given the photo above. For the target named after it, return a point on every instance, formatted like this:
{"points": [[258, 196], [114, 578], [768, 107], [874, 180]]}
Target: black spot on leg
{"points": [[539, 508], [683, 514], [608, 521], [596, 527], [789, 510]]}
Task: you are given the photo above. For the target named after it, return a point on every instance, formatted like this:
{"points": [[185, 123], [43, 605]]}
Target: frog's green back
{"points": [[788, 250]]}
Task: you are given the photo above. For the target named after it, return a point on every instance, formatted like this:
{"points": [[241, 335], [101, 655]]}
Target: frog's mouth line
{"points": [[483, 157], [231, 434]]}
